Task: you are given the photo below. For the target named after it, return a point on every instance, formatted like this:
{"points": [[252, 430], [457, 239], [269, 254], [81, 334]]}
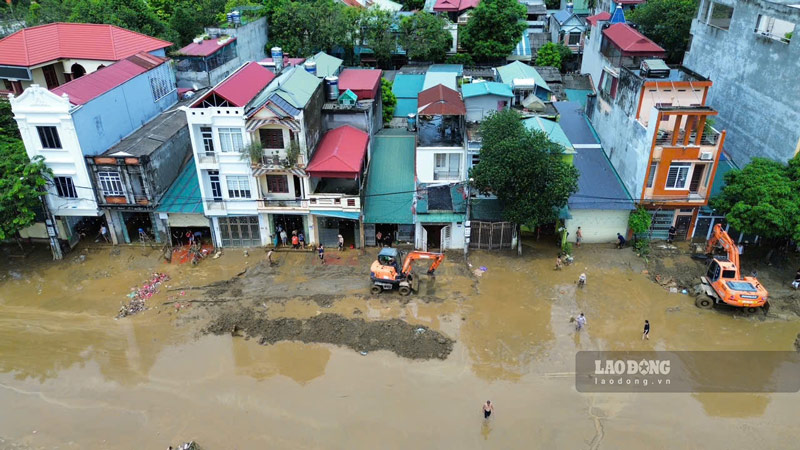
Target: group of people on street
{"points": [[280, 237], [384, 240]]}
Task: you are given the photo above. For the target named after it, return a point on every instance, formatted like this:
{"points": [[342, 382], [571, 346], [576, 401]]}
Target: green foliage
{"points": [[424, 38], [412, 5], [667, 23], [524, 169], [21, 185], [376, 25], [389, 100], [133, 15], [495, 28], [46, 11], [789, 35], [642, 247], [566, 247], [550, 54], [460, 58], [639, 221], [253, 152], [763, 198], [552, 4], [292, 153]]}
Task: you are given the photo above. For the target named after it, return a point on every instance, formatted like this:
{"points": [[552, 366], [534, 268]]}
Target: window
{"points": [[271, 138], [703, 15], [277, 184], [678, 175], [608, 84], [65, 187], [773, 28], [447, 166], [574, 39], [160, 83], [48, 136], [208, 139], [111, 184], [230, 139], [238, 187], [720, 16], [652, 175]]}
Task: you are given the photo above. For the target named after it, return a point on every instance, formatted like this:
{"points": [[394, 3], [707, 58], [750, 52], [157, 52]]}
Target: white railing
{"points": [[334, 201]]}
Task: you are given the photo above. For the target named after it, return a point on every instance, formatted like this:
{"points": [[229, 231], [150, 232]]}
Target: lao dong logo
{"points": [[631, 367]]}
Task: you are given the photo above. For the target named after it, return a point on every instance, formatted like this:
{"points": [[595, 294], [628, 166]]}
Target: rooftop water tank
{"points": [[311, 67], [331, 88], [277, 58]]}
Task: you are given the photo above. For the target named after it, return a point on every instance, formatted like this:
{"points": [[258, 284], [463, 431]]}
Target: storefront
{"points": [[241, 231], [330, 224]]}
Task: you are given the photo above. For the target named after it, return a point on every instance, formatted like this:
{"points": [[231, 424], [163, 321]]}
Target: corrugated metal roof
{"points": [[522, 51], [441, 101], [340, 153], [184, 195], [407, 86], [553, 131], [599, 187], [363, 82], [447, 79], [518, 70], [486, 88], [457, 69], [88, 87], [454, 5], [36, 45], [299, 88], [206, 47], [602, 17], [405, 106], [152, 135], [390, 181], [631, 41], [244, 84], [327, 65]]}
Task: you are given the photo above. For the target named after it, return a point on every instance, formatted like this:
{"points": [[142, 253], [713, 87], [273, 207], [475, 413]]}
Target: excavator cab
{"points": [[391, 269]]}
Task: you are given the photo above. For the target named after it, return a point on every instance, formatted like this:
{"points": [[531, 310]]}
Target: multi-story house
{"points": [[85, 118], [568, 28], [53, 54], [750, 51], [655, 128], [610, 46], [253, 136]]}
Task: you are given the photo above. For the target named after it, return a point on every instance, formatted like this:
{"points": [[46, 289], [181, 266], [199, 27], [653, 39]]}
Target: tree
{"points": [[496, 26], [424, 37], [389, 100], [639, 221], [22, 184], [304, 28], [460, 58], [47, 11], [553, 55], [763, 198], [376, 34], [667, 23], [134, 15], [524, 169]]}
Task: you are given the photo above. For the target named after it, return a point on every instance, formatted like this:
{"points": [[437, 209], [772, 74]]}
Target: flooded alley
{"points": [[235, 353]]}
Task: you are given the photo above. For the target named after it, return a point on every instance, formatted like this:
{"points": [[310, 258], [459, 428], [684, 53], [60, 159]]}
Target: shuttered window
{"points": [[277, 184], [271, 138]]}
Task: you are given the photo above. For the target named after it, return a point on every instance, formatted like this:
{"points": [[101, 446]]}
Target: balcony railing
{"points": [[215, 205], [333, 201], [664, 138], [691, 198], [207, 157], [272, 203]]}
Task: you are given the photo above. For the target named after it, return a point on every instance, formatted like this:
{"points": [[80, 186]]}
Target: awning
{"points": [[339, 214], [264, 169], [188, 220], [255, 124]]}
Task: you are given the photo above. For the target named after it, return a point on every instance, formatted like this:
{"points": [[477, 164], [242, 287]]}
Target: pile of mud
{"points": [[395, 335]]}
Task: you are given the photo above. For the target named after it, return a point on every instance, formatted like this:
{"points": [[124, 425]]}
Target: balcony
{"points": [[335, 202], [664, 138], [694, 197], [215, 206], [207, 157], [285, 204]]}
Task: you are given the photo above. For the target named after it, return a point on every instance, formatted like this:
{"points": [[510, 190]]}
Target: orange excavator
{"points": [[723, 281], [387, 272]]}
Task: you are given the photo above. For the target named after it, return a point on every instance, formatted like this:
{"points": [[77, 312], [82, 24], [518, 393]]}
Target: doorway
{"points": [[289, 222], [697, 177], [135, 221], [434, 237], [50, 76], [682, 226]]}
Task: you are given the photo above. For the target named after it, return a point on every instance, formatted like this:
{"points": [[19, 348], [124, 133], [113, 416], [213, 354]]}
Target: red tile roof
{"points": [[454, 5], [363, 82], [340, 154], [93, 85], [243, 85], [631, 41], [602, 17], [36, 45], [440, 101], [206, 47]]}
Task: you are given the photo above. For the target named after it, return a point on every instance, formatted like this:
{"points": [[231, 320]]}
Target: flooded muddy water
{"points": [[73, 377]]}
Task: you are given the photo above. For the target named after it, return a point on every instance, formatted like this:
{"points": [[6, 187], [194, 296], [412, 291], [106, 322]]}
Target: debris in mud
{"points": [[139, 295], [185, 446], [360, 335]]}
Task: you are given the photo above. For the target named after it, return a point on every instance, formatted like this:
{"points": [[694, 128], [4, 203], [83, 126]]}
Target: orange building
{"points": [[656, 130]]}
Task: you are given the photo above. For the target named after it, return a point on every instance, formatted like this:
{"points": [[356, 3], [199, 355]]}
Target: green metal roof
{"points": [[407, 86], [446, 79], [405, 106], [516, 70], [553, 131], [487, 209], [577, 95], [440, 218], [457, 69], [486, 88], [184, 195], [298, 88], [327, 65], [390, 181]]}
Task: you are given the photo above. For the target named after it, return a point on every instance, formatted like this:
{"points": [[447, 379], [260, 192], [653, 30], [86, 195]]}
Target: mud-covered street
{"points": [[235, 353]]}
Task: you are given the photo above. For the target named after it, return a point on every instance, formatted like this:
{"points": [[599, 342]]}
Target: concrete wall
{"points": [[312, 120], [597, 226], [755, 80], [592, 61], [481, 106], [166, 162], [426, 163], [132, 105], [624, 139]]}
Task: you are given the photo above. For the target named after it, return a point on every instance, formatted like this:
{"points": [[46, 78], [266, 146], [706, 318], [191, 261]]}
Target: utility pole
{"points": [[52, 230]]}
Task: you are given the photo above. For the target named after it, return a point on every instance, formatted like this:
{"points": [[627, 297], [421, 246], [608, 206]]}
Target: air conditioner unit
{"points": [[706, 156]]}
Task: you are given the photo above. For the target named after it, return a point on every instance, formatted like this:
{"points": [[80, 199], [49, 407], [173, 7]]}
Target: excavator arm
{"points": [[721, 237], [437, 258]]}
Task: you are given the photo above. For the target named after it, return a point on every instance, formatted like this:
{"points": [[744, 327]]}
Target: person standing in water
{"points": [[580, 322], [646, 334], [487, 409]]}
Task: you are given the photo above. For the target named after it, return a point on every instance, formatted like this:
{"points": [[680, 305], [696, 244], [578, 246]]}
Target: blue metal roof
{"points": [[618, 16], [523, 48], [599, 187], [407, 86], [184, 195], [405, 106], [574, 123], [457, 69], [486, 88]]}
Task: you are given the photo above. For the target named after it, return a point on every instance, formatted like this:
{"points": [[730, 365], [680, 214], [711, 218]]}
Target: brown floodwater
{"points": [[73, 377]]}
